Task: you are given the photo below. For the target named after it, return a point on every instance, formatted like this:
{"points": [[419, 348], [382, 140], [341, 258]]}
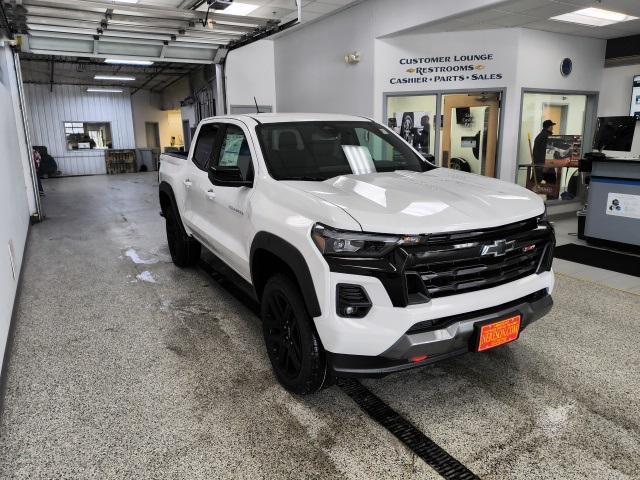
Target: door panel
{"points": [[226, 212], [197, 180], [470, 132], [152, 130]]}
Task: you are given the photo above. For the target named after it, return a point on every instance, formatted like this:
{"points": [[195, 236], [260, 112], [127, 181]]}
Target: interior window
{"points": [[235, 152], [205, 145], [88, 135]]}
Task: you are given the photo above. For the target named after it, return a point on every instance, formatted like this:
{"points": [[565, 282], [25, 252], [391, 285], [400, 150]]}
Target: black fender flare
{"points": [[291, 257], [165, 188]]}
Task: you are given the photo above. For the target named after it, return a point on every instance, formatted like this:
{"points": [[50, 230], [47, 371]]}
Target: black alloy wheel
{"points": [[283, 335], [294, 348]]}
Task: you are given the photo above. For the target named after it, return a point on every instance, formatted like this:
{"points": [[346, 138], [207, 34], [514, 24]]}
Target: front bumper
{"points": [[449, 337]]}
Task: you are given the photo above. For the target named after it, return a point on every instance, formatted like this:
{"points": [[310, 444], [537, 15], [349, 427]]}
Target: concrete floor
{"points": [[124, 366]]}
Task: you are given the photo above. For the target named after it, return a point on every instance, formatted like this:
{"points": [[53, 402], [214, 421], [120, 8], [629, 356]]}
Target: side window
{"points": [[205, 144], [235, 152]]}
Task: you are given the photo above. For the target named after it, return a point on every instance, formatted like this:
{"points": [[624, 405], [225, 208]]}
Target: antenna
{"points": [[257, 108]]}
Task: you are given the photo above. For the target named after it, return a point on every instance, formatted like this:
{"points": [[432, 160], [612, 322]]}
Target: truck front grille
{"points": [[462, 262]]}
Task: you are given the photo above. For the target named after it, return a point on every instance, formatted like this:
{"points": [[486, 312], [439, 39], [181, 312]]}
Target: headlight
{"points": [[544, 216], [357, 244]]}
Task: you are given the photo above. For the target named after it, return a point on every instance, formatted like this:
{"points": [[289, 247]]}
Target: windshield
{"points": [[321, 150]]}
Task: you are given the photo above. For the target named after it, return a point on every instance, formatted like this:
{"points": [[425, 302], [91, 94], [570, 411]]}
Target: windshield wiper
{"points": [[306, 178]]}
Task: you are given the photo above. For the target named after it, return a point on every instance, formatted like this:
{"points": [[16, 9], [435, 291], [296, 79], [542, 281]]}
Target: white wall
{"points": [[615, 100], [49, 110], [310, 70], [402, 16], [615, 91], [312, 75], [250, 72], [14, 213]]}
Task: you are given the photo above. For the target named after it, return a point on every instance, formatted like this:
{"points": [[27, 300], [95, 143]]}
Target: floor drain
{"points": [[425, 448]]}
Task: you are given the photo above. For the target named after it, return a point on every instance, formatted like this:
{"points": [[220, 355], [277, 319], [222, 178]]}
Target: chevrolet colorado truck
{"points": [[366, 259]]}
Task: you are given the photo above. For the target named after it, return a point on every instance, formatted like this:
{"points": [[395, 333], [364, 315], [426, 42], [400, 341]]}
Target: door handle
{"points": [[211, 195], [187, 182]]}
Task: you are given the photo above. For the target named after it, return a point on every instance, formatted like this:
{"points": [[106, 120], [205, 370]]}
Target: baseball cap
{"points": [[547, 124]]}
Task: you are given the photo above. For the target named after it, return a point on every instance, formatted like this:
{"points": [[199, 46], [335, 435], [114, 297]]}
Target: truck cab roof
{"points": [[293, 117]]}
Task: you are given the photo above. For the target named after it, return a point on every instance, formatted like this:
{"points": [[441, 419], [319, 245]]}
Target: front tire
{"points": [[185, 251], [293, 346]]}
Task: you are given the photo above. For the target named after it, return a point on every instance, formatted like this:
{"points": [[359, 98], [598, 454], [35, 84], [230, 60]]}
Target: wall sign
{"points": [[446, 69]]}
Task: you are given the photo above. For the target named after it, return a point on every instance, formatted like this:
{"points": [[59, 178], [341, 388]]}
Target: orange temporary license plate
{"points": [[498, 333]]}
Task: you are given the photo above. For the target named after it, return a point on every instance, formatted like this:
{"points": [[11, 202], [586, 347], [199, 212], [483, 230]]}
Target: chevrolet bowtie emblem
{"points": [[499, 248]]}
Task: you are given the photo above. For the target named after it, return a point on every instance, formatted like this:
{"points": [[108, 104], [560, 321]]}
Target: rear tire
{"points": [[185, 251], [297, 357]]}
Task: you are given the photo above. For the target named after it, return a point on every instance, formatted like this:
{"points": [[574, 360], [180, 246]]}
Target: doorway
{"points": [[556, 179], [470, 127], [557, 113], [152, 130]]}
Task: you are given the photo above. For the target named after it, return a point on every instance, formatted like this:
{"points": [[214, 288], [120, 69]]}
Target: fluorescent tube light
{"points": [[114, 77], [594, 17], [126, 1], [104, 90], [237, 8], [117, 61]]}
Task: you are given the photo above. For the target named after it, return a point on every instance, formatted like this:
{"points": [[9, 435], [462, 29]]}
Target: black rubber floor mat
{"points": [[425, 448], [600, 258]]}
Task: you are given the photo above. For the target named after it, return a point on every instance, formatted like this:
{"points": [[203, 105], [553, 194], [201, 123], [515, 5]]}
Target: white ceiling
{"points": [[535, 14]]}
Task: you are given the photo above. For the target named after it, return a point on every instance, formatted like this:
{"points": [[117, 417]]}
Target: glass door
{"points": [[470, 132], [414, 117], [552, 131]]}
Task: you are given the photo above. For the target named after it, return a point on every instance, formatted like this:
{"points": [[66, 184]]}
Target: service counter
{"points": [[613, 211]]}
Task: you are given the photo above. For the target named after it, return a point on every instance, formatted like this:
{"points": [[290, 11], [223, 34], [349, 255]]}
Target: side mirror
{"points": [[229, 177]]}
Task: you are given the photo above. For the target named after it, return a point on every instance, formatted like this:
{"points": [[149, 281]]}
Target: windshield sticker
{"points": [[232, 145]]}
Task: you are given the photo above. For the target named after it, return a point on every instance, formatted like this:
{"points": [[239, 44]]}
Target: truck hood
{"points": [[440, 200]]}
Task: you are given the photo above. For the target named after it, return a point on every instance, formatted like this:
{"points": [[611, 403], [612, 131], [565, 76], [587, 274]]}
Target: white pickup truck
{"points": [[366, 258]]}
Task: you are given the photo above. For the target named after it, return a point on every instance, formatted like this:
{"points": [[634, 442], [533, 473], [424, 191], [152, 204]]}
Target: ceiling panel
{"points": [[536, 14]]}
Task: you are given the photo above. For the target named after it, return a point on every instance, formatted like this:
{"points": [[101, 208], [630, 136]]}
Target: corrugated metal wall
{"points": [[67, 103]]}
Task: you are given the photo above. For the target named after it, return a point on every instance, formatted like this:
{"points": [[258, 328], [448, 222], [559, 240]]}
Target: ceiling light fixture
{"points": [[117, 61], [126, 1], [104, 90], [114, 77], [594, 17], [237, 8]]}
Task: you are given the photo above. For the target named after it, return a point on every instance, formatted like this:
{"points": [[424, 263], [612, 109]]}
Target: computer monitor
{"points": [[614, 133], [635, 98]]}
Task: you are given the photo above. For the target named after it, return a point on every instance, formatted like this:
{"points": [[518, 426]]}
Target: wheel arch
{"points": [[168, 201], [166, 196], [268, 248]]}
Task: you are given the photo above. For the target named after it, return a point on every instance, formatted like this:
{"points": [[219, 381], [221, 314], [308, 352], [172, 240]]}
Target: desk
{"points": [[613, 211]]}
